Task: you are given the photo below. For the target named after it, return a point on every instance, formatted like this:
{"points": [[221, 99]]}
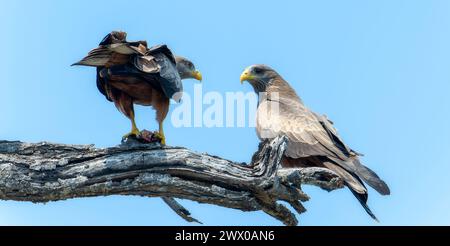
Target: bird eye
{"points": [[190, 66], [257, 70]]}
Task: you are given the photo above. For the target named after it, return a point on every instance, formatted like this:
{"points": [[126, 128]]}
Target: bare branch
{"points": [[46, 172], [179, 209]]}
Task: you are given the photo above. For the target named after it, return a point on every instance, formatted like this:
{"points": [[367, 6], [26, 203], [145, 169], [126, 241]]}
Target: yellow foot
{"points": [[161, 136], [133, 133]]}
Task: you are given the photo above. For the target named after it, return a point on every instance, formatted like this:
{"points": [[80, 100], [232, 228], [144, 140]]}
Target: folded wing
{"points": [[313, 140], [134, 60]]}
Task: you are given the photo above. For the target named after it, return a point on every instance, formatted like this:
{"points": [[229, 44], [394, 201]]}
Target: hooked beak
{"points": [[246, 75], [197, 75]]}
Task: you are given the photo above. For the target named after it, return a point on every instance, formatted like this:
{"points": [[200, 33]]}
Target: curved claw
{"points": [[161, 136], [134, 133]]}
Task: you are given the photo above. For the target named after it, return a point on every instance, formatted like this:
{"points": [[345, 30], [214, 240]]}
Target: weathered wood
{"points": [[46, 172], [179, 209]]}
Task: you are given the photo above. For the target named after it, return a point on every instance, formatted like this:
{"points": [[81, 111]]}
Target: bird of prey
{"points": [[312, 139], [130, 73]]}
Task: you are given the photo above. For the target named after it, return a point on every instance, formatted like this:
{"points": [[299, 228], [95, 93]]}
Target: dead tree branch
{"points": [[46, 172]]}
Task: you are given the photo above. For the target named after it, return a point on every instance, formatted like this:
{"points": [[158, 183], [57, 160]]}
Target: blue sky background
{"points": [[379, 69]]}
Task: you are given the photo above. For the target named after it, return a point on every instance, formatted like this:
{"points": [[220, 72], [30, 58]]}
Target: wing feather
{"points": [[291, 118], [312, 135], [132, 62]]}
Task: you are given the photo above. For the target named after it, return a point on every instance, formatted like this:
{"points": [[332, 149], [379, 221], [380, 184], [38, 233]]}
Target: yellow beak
{"points": [[246, 75], [197, 75]]}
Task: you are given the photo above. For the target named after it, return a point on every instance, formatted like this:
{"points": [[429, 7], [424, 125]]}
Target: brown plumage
{"points": [[313, 141], [130, 73]]}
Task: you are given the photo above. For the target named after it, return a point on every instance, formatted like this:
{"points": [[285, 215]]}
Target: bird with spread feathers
{"points": [[312, 139], [130, 73]]}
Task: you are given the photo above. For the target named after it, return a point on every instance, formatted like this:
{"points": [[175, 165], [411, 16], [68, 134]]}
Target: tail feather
{"points": [[353, 173], [354, 166], [355, 185], [371, 178], [362, 198], [351, 180]]}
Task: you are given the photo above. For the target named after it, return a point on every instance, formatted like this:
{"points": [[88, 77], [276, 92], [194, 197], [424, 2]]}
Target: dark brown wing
{"points": [[114, 49], [102, 85], [164, 50], [132, 62], [157, 70], [114, 54]]}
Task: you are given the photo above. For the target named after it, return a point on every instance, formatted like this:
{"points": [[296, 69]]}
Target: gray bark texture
{"points": [[45, 172]]}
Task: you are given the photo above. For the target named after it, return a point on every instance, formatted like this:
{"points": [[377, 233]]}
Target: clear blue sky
{"points": [[379, 69]]}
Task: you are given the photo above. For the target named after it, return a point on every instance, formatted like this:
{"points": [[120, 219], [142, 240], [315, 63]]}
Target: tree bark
{"points": [[46, 172]]}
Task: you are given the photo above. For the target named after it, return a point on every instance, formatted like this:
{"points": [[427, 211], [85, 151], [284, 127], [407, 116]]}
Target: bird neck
{"points": [[277, 88]]}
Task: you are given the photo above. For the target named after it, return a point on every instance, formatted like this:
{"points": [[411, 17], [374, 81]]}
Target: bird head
{"points": [[259, 76], [186, 69]]}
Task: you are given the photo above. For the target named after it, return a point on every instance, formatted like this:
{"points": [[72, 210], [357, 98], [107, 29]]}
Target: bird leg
{"points": [[124, 104], [161, 104], [160, 134], [134, 130]]}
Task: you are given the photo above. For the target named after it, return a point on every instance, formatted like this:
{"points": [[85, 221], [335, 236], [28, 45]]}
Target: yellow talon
{"points": [[134, 131], [161, 134]]}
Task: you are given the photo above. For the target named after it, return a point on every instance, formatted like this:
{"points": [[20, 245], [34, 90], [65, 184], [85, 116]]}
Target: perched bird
{"points": [[130, 73], [312, 139]]}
